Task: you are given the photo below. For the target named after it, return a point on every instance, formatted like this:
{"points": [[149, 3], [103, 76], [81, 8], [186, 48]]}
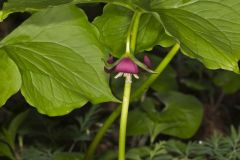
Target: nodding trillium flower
{"points": [[128, 66]]}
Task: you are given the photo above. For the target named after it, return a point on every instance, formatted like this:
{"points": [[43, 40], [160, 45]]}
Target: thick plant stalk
{"points": [[123, 119], [109, 121]]}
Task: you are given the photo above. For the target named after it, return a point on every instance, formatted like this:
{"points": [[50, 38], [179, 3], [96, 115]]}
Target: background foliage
{"points": [[185, 97]]}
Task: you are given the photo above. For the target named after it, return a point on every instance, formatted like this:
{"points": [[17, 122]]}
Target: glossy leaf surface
{"points": [[60, 59], [208, 30]]}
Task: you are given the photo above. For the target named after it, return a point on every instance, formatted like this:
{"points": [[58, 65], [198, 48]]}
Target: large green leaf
{"points": [[181, 116], [208, 30], [114, 24], [10, 78], [60, 59]]}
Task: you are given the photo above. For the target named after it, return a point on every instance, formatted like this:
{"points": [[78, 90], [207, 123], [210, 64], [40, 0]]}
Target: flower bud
{"points": [[147, 61], [110, 60], [126, 65]]}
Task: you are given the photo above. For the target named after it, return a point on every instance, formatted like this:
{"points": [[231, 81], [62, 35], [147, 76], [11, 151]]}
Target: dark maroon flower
{"points": [[147, 61], [126, 65]]}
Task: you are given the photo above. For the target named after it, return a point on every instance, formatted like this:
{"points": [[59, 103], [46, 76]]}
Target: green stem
{"points": [[130, 50], [123, 119], [109, 121], [132, 33], [134, 30]]}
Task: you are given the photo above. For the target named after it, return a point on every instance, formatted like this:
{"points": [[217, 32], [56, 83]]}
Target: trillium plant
{"points": [[59, 60]]}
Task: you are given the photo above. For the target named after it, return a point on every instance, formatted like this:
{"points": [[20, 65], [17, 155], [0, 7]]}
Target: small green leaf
{"points": [[13, 127], [6, 151], [60, 59], [10, 78], [8, 135]]}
